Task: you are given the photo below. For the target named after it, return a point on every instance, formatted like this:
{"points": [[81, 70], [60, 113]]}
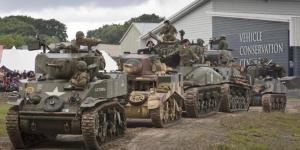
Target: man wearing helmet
{"points": [[81, 41], [81, 78], [223, 45], [168, 32]]}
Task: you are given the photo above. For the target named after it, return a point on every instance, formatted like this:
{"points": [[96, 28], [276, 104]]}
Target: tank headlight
{"points": [[36, 99]]}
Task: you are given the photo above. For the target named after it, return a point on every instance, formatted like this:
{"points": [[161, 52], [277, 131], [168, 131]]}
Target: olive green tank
{"points": [[268, 92], [201, 83], [154, 92], [236, 88], [68, 96]]}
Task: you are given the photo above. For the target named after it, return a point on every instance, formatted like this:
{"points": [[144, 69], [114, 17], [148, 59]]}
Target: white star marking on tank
{"points": [[55, 93]]}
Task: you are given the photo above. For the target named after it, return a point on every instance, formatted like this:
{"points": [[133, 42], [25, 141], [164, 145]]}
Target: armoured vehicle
{"points": [[268, 91], [210, 84], [202, 84], [51, 105], [154, 92], [236, 88]]}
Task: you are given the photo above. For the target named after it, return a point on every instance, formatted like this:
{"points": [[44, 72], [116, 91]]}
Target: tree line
{"points": [[20, 30], [113, 33]]}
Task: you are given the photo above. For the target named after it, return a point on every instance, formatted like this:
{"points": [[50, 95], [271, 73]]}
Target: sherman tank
{"points": [[269, 92], [51, 104], [236, 88], [202, 83], [154, 92]]}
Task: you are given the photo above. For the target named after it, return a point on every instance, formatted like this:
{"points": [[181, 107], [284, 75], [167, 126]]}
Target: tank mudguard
{"points": [[91, 102]]}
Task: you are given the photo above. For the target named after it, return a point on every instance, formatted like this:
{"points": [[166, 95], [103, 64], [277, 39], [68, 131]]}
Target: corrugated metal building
{"points": [[130, 42], [254, 28]]}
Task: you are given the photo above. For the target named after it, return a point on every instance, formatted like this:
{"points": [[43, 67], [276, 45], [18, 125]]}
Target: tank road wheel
{"points": [[165, 114], [103, 124], [19, 139]]}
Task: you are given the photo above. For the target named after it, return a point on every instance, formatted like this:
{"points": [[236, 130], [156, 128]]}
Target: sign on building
{"points": [[255, 39]]}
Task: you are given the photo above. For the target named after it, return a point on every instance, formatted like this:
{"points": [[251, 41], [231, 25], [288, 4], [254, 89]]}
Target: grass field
{"points": [[3, 110], [262, 131]]}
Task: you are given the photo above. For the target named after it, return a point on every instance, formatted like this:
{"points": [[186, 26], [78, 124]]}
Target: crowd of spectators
{"points": [[9, 80]]}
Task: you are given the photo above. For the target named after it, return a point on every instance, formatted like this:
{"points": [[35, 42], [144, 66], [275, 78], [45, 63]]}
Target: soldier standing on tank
{"points": [[80, 40], [168, 32], [199, 49], [223, 45], [81, 78], [186, 54]]}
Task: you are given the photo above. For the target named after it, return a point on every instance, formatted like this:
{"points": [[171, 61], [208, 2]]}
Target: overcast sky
{"points": [[85, 15]]}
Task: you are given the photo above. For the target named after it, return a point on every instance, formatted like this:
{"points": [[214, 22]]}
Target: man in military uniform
{"points": [[102, 63], [168, 32], [223, 45], [187, 55], [80, 41], [199, 49], [81, 78]]}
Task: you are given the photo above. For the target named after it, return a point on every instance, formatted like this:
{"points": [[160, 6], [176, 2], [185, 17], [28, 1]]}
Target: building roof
{"points": [[180, 14], [142, 28], [266, 17]]}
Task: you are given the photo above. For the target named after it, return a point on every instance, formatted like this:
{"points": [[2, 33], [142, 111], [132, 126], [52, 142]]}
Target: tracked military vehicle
{"points": [[236, 89], [154, 93], [51, 105], [269, 92], [211, 83], [202, 84]]}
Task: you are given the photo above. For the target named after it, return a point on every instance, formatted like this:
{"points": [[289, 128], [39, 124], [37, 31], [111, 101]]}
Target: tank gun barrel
{"points": [[54, 65]]}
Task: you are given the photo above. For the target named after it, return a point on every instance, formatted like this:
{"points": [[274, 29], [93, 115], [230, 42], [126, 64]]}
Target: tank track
{"points": [[19, 139], [202, 102], [111, 122], [274, 102], [235, 98], [167, 114]]}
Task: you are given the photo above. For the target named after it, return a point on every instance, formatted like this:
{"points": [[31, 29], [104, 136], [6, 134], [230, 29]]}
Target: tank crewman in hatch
{"points": [[80, 40], [187, 55], [81, 78], [223, 45], [168, 32]]}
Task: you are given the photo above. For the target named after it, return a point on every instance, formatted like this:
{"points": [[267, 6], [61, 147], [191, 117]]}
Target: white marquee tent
{"points": [[24, 60]]}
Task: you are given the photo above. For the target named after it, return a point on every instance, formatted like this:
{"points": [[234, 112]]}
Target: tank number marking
{"points": [[100, 89]]}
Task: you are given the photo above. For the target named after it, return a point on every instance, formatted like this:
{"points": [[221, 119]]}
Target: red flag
{"points": [[1, 52]]}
